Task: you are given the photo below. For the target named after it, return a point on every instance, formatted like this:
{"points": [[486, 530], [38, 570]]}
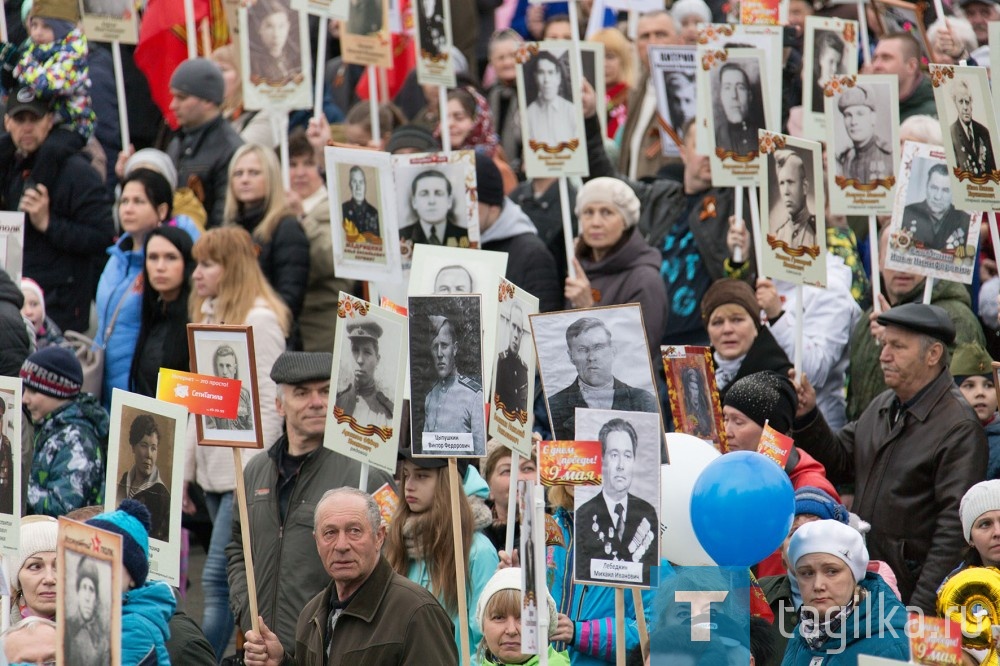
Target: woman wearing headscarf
{"points": [[470, 127]]}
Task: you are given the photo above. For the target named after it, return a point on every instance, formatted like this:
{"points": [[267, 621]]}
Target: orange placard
{"points": [[761, 12], [569, 463], [386, 304], [934, 641], [206, 395], [388, 502], [775, 446]]}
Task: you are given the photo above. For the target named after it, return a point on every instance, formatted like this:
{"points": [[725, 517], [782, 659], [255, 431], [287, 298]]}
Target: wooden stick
{"points": [[363, 481], [206, 38], [515, 467], [640, 619], [116, 58], [863, 32], [758, 233], [456, 529], [321, 35], [873, 260], [799, 342], [620, 651], [443, 119], [241, 502], [373, 104], [567, 223], [3, 38], [541, 589], [189, 27], [928, 288]]}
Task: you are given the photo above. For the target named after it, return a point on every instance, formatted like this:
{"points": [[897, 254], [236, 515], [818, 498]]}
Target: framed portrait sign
{"points": [[88, 595], [12, 244], [110, 21], [369, 370], [227, 351], [928, 235], [862, 132], [673, 72], [617, 524], [435, 64], [902, 16], [693, 394], [794, 217], [365, 37], [10, 465], [994, 46], [513, 394], [969, 134], [146, 463], [274, 50], [830, 51], [548, 93], [447, 403]]}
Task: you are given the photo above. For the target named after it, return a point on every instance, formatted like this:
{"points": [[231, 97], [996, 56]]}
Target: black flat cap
{"points": [[299, 367], [405, 453], [921, 318]]}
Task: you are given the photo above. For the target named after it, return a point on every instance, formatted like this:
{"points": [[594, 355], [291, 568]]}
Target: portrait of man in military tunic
{"points": [[738, 100], [360, 217], [511, 385], [363, 399], [868, 155], [791, 221]]}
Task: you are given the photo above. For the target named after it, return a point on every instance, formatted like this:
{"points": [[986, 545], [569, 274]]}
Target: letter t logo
{"points": [[701, 602]]}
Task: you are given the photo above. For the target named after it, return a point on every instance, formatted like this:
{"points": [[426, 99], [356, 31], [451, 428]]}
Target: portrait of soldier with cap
{"points": [[511, 385], [362, 399], [869, 156], [360, 218], [970, 140], [791, 221]]}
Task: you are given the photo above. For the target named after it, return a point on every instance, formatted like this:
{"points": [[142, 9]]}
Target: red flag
{"points": [[404, 58]]}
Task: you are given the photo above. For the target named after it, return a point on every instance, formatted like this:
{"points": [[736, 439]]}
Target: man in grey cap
{"points": [[285, 485], [362, 399], [869, 157], [913, 452]]}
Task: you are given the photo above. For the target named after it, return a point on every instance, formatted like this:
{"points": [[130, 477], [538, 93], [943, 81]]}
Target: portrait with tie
{"points": [[970, 139], [617, 527]]}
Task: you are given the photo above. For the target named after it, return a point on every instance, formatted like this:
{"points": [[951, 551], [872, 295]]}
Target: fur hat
{"points": [[726, 291], [684, 8], [200, 77], [611, 191], [830, 537], [53, 371], [132, 522], [38, 535], [509, 579], [980, 498], [765, 396]]}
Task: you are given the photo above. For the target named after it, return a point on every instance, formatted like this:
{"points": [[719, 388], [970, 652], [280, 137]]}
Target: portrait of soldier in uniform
{"points": [[432, 203], [742, 108], [360, 217], [869, 157], [363, 399], [455, 401], [792, 222], [934, 223], [970, 139], [512, 374]]}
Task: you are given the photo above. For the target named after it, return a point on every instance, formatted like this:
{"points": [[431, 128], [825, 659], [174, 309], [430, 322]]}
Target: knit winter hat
{"points": [[726, 291], [831, 538], [508, 579], [38, 535], [53, 371], [29, 285], [970, 359], [132, 522], [155, 160], [489, 182], [611, 191], [817, 502], [64, 10], [765, 396], [200, 77], [980, 498], [684, 8], [413, 137]]}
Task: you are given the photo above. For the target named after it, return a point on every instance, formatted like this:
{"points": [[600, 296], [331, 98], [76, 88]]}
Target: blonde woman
{"points": [[252, 126], [619, 75]]}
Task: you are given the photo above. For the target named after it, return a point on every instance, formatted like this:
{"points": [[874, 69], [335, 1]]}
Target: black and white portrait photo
{"points": [[9, 470], [431, 23], [930, 219], [863, 133], [454, 279], [512, 374], [364, 390], [970, 138], [550, 116], [738, 105], [116, 8], [792, 218], [829, 60], [360, 215], [365, 17], [682, 99], [616, 524], [145, 466], [275, 48], [446, 376], [88, 610], [226, 364]]}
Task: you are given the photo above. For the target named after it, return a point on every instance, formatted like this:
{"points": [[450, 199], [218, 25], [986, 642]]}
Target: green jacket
{"points": [[920, 103], [867, 380], [556, 658]]}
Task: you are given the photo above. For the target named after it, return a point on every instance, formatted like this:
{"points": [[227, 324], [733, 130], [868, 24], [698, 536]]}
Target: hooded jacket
{"points": [[146, 613], [15, 343]]}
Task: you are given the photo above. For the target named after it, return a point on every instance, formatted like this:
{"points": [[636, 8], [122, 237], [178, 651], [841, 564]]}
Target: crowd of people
{"points": [[893, 412]]}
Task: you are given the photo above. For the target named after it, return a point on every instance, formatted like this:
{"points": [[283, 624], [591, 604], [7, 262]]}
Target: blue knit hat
{"points": [[133, 522], [53, 371], [817, 502]]}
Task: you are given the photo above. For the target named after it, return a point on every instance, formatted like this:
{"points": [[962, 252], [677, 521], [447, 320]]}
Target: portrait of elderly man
{"points": [[433, 38], [742, 107], [792, 222], [869, 157], [934, 223], [592, 352], [360, 217], [551, 116], [433, 203], [970, 139], [453, 280], [455, 401], [227, 366], [363, 399], [512, 374]]}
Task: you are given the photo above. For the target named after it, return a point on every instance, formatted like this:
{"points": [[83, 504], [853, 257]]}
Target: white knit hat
{"points": [[980, 498], [38, 535], [831, 537], [684, 8], [509, 579], [611, 191]]}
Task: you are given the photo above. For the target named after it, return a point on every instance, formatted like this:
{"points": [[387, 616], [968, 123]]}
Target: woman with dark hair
{"points": [[89, 638], [551, 116], [142, 481]]}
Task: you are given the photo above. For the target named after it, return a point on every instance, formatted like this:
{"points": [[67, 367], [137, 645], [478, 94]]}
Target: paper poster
{"points": [[88, 595], [638, 6], [365, 36], [862, 132], [673, 73], [274, 50], [447, 404], [110, 21], [569, 463], [513, 395], [369, 353], [617, 524], [994, 46], [831, 51], [792, 208], [737, 111], [592, 61], [388, 502], [775, 445], [200, 394], [12, 244], [363, 224], [934, 641], [694, 397], [764, 12], [969, 132], [529, 570], [146, 449], [435, 64], [10, 466], [548, 92], [928, 235]]}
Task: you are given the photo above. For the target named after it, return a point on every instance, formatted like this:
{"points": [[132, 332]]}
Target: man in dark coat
{"points": [[970, 139]]}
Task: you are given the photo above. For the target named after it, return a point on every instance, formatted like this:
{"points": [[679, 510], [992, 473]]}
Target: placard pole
{"points": [[363, 481], [116, 58], [456, 530], [241, 502], [286, 174], [640, 620], [3, 38], [515, 468], [373, 104], [620, 649], [190, 29], [567, 223], [799, 342], [873, 243], [321, 32], [928, 288], [443, 115], [758, 233], [866, 54], [738, 215], [541, 590]]}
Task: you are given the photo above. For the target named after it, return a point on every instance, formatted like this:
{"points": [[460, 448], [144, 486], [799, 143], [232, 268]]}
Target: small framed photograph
{"points": [[276, 68], [831, 51], [676, 98], [110, 21], [227, 351], [10, 465], [902, 16], [364, 36], [694, 397], [435, 66], [89, 595], [511, 413]]}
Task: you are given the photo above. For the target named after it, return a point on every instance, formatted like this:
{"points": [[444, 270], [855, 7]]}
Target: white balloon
{"points": [[688, 457]]}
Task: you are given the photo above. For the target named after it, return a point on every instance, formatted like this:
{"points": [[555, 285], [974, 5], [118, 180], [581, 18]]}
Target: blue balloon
{"points": [[742, 507]]}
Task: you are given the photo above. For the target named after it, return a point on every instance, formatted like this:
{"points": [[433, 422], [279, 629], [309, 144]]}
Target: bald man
{"points": [[793, 224]]}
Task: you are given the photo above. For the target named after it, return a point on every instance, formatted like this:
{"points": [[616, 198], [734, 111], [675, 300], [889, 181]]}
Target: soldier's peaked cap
{"points": [[366, 330]]}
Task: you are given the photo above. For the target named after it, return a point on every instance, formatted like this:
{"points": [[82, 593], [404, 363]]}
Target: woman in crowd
{"points": [[613, 263], [255, 201], [358, 125], [499, 617], [419, 544], [496, 471], [252, 126], [33, 573], [166, 285], [840, 598], [619, 76], [470, 126], [502, 96], [47, 332], [229, 287]]}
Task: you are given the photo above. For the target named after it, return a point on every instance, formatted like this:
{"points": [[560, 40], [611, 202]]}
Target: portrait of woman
{"points": [[142, 481]]}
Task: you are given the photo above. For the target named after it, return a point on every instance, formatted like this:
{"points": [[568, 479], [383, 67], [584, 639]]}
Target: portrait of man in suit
{"points": [[934, 223], [433, 39], [512, 373], [616, 525], [970, 139], [432, 203]]}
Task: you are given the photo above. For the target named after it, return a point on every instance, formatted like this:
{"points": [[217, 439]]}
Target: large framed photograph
{"points": [[928, 235], [12, 244], [862, 129], [673, 75], [617, 524], [969, 135], [369, 371], [831, 51], [513, 395], [364, 36], [146, 463], [548, 93], [88, 594], [10, 465], [227, 351], [110, 21], [693, 394], [580, 351], [435, 65], [363, 226], [793, 207], [274, 48], [447, 403]]}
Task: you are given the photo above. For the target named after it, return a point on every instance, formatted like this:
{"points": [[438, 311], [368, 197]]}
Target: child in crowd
{"points": [[499, 617], [972, 368], [47, 332]]}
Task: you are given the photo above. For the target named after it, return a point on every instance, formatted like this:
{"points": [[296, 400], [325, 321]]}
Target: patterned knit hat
{"points": [[611, 191], [53, 371], [765, 396], [132, 521], [813, 501]]}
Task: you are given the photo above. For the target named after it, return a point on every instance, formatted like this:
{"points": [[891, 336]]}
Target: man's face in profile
{"points": [[593, 355], [453, 280], [735, 94], [859, 121], [938, 194], [357, 182], [226, 367]]}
